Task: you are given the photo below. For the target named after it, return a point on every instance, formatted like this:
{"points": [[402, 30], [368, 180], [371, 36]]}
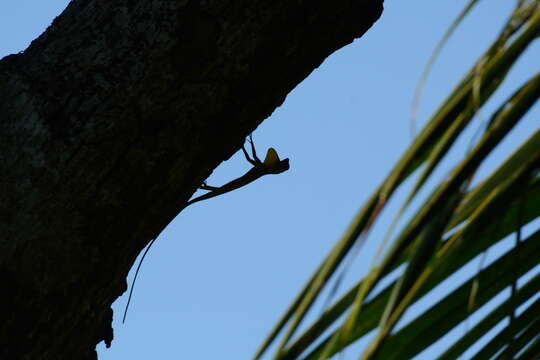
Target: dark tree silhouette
{"points": [[109, 122]]}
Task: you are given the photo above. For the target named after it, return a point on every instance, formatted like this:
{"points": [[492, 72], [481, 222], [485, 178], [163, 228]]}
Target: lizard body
{"points": [[271, 165]]}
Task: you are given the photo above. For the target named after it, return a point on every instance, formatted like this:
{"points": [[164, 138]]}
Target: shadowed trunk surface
{"points": [[108, 123]]}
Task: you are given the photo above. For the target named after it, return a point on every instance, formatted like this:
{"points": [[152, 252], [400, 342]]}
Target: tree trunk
{"points": [[109, 122]]}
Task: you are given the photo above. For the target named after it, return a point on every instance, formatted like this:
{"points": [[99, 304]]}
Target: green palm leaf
{"points": [[452, 227]]}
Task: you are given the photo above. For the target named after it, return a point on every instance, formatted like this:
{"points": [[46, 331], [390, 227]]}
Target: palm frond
{"points": [[452, 227]]}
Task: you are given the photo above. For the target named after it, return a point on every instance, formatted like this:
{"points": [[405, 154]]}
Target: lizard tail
{"points": [[135, 278]]}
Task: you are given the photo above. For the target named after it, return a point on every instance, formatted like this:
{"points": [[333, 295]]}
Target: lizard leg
{"points": [[205, 186], [248, 158], [253, 152]]}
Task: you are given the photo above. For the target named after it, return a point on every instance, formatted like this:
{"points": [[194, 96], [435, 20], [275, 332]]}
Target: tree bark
{"points": [[109, 122]]}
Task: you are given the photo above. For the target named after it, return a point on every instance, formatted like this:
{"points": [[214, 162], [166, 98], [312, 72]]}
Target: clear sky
{"points": [[224, 270]]}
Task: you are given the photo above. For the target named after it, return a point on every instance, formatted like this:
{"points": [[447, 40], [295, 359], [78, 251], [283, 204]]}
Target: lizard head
{"points": [[274, 164]]}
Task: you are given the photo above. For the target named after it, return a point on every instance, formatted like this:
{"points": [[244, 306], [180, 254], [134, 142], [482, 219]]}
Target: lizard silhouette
{"points": [[270, 165]]}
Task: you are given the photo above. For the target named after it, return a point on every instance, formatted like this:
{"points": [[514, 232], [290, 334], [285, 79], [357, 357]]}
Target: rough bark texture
{"points": [[109, 122]]}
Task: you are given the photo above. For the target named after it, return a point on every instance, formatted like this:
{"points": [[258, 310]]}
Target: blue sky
{"points": [[225, 269]]}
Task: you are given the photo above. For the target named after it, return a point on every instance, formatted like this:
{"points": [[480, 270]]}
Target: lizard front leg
{"points": [[205, 186]]}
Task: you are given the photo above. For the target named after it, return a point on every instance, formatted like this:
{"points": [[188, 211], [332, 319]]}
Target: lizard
{"points": [[270, 165]]}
